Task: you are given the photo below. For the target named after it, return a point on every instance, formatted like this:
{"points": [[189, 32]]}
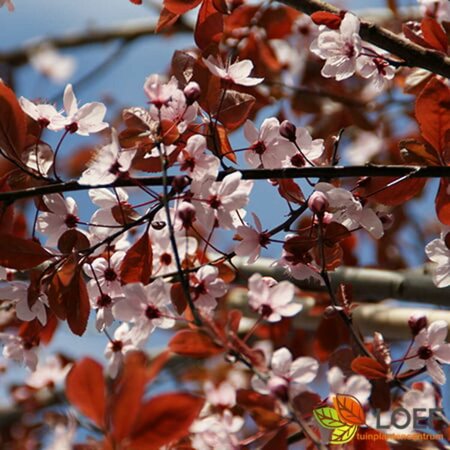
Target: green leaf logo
{"points": [[343, 434], [328, 417]]}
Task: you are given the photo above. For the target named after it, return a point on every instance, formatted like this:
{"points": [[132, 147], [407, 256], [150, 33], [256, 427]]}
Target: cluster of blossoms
{"points": [[346, 54], [173, 271]]}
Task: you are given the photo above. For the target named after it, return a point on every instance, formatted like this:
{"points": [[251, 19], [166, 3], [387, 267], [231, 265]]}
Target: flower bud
{"points": [[179, 183], [318, 203], [287, 130], [192, 92], [417, 322], [158, 225]]}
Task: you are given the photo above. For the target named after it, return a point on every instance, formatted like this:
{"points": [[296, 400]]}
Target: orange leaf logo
{"points": [[349, 409]]}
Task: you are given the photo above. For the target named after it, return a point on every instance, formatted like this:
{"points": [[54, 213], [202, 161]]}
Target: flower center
{"points": [[259, 147], [188, 164], [349, 50], [110, 274], [152, 312], [425, 352], [214, 202], [264, 239], [116, 346], [115, 168], [72, 128], [103, 300], [71, 221], [166, 259], [266, 310]]}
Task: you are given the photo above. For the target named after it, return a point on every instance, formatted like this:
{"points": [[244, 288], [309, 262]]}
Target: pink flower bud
{"points": [[192, 92], [417, 322], [318, 203], [287, 130], [179, 183]]}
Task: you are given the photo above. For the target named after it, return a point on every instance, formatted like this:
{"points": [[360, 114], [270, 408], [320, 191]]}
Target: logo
{"points": [[344, 419]]}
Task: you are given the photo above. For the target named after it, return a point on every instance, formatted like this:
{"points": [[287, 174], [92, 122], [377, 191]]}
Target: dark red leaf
{"points": [[164, 419], [137, 263], [180, 6], [234, 109], [76, 300], [209, 27], [433, 115], [21, 254], [434, 34], [85, 389], [194, 344], [332, 21], [13, 123], [442, 202], [369, 368], [128, 395]]}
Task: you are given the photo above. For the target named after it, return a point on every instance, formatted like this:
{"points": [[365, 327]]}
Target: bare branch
{"points": [[412, 54], [328, 172]]}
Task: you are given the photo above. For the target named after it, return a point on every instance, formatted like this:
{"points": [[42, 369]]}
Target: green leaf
{"points": [[343, 434], [328, 417]]}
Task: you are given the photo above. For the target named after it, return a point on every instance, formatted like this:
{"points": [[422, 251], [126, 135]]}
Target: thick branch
{"points": [[126, 32], [412, 54], [367, 284], [327, 172], [391, 321]]}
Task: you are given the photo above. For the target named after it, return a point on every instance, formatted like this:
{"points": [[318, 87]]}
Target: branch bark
{"points": [[412, 54], [367, 284], [127, 32], [327, 172]]}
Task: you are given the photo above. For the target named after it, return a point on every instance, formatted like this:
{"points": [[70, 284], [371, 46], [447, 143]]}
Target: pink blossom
{"points": [[430, 349], [53, 64], [271, 299], [206, 286], [252, 240], [266, 149], [196, 162], [223, 395], [217, 432], [310, 149], [349, 212], [237, 73], [16, 349], [19, 293], [116, 350], [163, 256], [375, 69], [364, 148], [217, 201], [51, 373], [108, 164], [83, 121], [102, 303], [145, 306], [103, 222], [438, 252], [46, 115], [287, 377], [62, 216], [355, 385], [106, 273], [340, 48], [436, 8]]}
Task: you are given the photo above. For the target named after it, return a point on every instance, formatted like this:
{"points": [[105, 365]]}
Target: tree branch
{"points": [[367, 284], [412, 54], [328, 172], [126, 32]]}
